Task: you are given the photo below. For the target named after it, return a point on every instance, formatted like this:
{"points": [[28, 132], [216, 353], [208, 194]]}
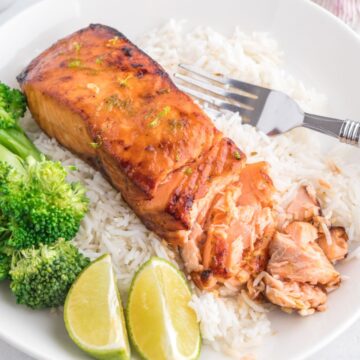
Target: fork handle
{"points": [[347, 131]]}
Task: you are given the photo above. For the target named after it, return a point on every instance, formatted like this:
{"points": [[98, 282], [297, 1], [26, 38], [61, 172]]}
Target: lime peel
{"points": [[93, 313], [174, 321]]}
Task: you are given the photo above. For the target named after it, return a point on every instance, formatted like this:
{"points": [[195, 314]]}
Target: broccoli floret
{"points": [[39, 205], [41, 277], [5, 262], [12, 108]]}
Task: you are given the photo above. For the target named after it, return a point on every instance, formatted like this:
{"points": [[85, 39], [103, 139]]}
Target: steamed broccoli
{"points": [[5, 262], [37, 204], [39, 211], [41, 278], [12, 105], [12, 108], [6, 253]]}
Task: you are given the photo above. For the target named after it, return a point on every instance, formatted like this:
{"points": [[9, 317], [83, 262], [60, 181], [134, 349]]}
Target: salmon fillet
{"points": [[108, 102]]}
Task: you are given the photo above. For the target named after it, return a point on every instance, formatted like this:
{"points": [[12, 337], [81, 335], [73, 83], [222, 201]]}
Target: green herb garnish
{"points": [[99, 60], [95, 145], [156, 121], [74, 63], [124, 82], [237, 155], [113, 101], [164, 111], [98, 141], [112, 42], [188, 171], [76, 47]]}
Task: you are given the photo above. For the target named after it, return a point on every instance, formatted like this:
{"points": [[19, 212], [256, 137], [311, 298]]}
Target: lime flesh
{"points": [[160, 322], [93, 313]]}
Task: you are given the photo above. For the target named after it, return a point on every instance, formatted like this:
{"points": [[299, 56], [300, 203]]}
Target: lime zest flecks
{"points": [[74, 63], [156, 121], [114, 101], [237, 155], [165, 111], [188, 171], [76, 46], [113, 41], [124, 82], [99, 60], [97, 143]]}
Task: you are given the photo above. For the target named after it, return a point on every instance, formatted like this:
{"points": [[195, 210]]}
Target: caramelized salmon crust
{"points": [[108, 102]]}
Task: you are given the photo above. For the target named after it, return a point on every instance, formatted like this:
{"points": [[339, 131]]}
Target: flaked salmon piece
{"points": [[302, 232], [190, 251], [299, 272], [257, 186], [221, 231], [338, 248], [238, 228], [307, 263], [291, 295], [304, 206]]}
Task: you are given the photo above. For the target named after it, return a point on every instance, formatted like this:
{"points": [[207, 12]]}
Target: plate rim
{"points": [[21, 6]]}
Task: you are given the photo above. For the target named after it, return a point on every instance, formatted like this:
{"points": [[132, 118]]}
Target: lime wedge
{"points": [[160, 322], [93, 313]]}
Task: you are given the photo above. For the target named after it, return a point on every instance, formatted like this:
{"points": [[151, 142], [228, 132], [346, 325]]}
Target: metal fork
{"points": [[271, 111]]}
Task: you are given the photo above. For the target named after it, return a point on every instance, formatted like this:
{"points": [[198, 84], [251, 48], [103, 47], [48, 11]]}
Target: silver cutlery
{"points": [[271, 111]]}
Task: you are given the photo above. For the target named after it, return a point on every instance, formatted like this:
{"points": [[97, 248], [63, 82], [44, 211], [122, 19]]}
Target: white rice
{"points": [[229, 324]]}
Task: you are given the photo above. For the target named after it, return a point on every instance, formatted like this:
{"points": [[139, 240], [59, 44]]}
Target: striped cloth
{"points": [[347, 10]]}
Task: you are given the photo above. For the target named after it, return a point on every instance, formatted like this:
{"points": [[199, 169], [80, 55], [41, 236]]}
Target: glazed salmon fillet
{"points": [[105, 100]]}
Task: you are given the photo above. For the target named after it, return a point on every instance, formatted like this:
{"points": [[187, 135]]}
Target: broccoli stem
{"points": [[16, 141], [11, 159]]}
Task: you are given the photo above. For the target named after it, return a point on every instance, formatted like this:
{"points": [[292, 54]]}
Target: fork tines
{"points": [[218, 91]]}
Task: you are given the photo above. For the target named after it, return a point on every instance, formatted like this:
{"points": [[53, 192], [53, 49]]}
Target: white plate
{"points": [[319, 49]]}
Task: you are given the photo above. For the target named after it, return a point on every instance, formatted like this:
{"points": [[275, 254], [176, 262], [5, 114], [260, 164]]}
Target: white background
{"points": [[346, 347]]}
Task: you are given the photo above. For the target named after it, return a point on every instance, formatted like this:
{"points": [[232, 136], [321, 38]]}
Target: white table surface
{"points": [[345, 347]]}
